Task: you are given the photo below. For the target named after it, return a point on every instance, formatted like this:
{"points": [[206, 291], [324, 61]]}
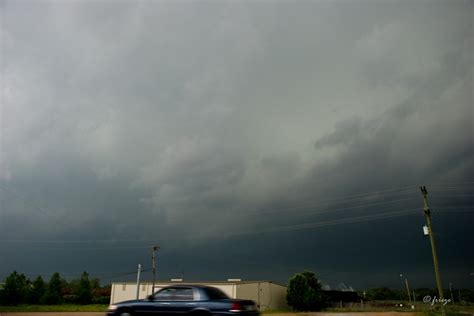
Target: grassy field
{"points": [[389, 306], [424, 309]]}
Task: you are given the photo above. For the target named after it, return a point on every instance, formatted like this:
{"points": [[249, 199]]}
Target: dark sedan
{"points": [[196, 300]]}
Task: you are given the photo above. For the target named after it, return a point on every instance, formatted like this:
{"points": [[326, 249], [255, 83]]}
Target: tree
{"points": [[15, 290], [304, 292], [101, 295], [37, 291], [84, 291], [384, 294], [95, 283], [53, 294]]}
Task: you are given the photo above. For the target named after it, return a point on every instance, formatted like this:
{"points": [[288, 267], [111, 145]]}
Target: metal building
{"points": [[267, 295]]}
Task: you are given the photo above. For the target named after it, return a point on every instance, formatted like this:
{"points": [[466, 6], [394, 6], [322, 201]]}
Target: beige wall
{"points": [[267, 295], [249, 291], [278, 296], [128, 291]]}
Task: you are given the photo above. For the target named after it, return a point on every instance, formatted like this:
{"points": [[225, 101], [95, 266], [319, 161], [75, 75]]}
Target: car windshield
{"points": [[215, 294]]}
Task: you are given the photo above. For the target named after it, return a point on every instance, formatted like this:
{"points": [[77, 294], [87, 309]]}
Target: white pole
{"points": [[138, 280]]}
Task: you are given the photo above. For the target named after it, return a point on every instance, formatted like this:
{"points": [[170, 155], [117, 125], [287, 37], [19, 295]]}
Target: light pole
{"points": [[138, 280], [407, 287]]}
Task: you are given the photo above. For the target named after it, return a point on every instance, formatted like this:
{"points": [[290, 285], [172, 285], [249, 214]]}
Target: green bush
{"points": [[70, 299], [304, 292], [101, 300], [384, 294]]}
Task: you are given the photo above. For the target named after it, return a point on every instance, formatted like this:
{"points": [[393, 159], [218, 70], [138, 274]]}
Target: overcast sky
{"points": [[249, 139]]}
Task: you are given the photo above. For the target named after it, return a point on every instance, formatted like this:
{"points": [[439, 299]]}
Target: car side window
{"points": [[164, 295], [175, 294], [184, 294]]}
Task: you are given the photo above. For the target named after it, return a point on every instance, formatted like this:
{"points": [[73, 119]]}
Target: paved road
{"points": [[283, 314], [347, 314], [53, 314]]}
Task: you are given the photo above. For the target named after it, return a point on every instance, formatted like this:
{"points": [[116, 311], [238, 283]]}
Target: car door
{"points": [[158, 305], [183, 301], [164, 302]]}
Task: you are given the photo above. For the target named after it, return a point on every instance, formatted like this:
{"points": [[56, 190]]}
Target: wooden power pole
{"points": [[153, 259], [427, 212]]}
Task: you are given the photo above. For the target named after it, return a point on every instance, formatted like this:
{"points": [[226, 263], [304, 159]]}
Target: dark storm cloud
{"points": [[252, 138]]}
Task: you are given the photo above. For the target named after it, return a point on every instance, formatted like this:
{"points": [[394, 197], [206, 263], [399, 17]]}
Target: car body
{"points": [[193, 300]]}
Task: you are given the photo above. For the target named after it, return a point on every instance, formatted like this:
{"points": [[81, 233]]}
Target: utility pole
{"points": [[138, 280], [153, 259], [451, 292], [427, 212], [408, 290]]}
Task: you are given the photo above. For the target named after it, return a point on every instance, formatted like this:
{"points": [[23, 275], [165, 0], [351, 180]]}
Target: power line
{"points": [[329, 210], [79, 249], [99, 275], [52, 241], [331, 201], [356, 219], [328, 223], [344, 199], [453, 196], [350, 198], [401, 191], [454, 210]]}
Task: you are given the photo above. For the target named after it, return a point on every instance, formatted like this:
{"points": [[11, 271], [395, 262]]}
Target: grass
{"points": [[421, 309], [277, 311], [54, 308]]}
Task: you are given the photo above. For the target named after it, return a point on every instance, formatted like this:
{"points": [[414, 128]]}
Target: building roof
{"points": [[194, 283]]}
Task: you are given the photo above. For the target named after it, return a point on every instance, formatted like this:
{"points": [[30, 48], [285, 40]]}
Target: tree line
{"points": [[305, 293], [18, 289], [387, 294]]}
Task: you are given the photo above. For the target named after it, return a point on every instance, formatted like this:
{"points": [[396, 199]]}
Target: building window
{"points": [[124, 287], [144, 287]]}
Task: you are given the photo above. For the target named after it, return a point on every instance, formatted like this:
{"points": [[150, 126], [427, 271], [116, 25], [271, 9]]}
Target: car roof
{"points": [[188, 285]]}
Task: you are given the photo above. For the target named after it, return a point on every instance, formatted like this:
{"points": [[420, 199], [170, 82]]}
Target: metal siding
{"points": [[249, 291], [278, 296], [122, 295], [265, 294], [228, 289]]}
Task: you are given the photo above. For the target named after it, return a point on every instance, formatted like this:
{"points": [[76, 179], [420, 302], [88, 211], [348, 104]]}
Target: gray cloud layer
{"points": [[215, 128]]}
